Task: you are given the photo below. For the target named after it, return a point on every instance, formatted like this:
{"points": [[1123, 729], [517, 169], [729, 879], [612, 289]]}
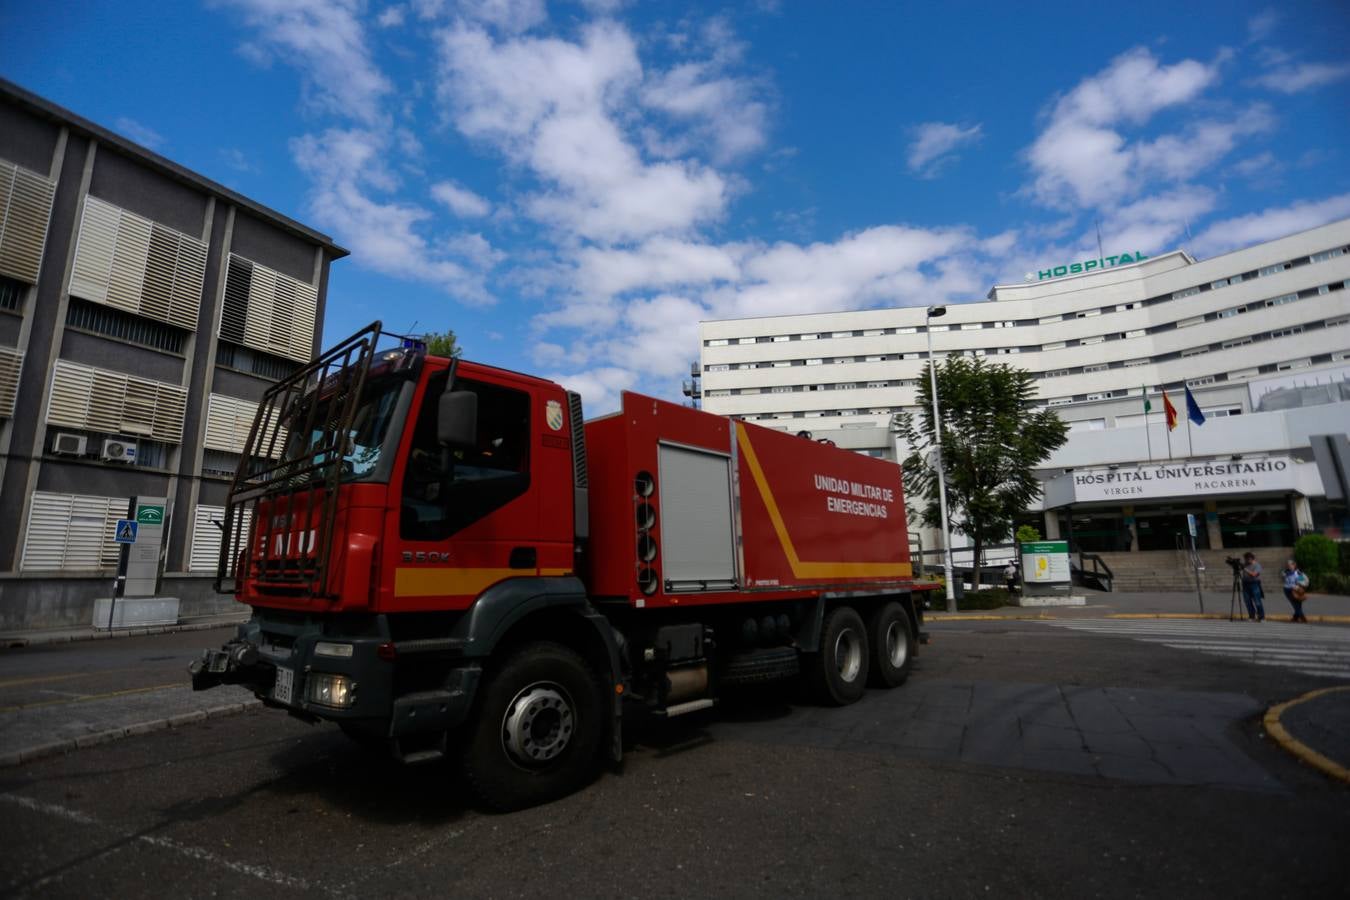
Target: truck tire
{"points": [[837, 675], [891, 640], [760, 667], [537, 733]]}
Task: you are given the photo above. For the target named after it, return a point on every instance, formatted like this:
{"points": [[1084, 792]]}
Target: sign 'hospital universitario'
{"points": [[1186, 479]]}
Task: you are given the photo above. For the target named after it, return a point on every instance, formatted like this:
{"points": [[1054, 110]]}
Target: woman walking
{"points": [[1295, 584]]}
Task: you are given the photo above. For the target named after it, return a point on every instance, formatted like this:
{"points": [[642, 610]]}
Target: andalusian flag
{"points": [[1169, 410], [1148, 407]]}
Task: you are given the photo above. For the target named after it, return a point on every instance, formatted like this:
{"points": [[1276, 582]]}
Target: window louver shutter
{"points": [[228, 420], [25, 213], [269, 311], [11, 361], [134, 264], [100, 400], [72, 532], [206, 537]]}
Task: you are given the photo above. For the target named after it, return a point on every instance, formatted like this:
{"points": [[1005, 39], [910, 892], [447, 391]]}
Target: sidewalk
{"points": [[17, 639], [1330, 609]]}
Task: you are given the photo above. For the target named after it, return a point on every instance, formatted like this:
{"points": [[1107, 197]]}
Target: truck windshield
{"points": [[309, 435]]}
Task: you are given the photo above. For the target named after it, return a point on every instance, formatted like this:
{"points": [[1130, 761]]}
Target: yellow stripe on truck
{"points": [[809, 569], [422, 581]]}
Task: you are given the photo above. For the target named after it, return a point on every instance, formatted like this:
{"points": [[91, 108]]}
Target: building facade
{"points": [[144, 309], [1260, 336]]}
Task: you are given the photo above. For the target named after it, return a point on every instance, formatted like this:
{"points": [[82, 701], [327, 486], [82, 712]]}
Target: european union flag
{"points": [[1193, 409]]}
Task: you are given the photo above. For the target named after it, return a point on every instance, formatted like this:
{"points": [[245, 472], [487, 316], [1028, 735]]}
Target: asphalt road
{"points": [[1020, 760]]}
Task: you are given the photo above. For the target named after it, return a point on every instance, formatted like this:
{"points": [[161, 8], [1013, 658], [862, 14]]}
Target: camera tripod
{"points": [[1236, 595]]}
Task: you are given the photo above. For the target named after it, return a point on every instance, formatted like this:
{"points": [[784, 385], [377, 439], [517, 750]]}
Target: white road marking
{"points": [[262, 873], [1324, 652]]}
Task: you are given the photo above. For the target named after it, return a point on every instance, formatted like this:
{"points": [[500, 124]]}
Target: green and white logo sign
{"points": [[150, 515], [1088, 265]]}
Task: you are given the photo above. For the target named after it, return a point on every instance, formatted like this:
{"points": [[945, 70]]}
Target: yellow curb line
{"points": [[958, 617], [1305, 753], [962, 617], [1166, 616]]}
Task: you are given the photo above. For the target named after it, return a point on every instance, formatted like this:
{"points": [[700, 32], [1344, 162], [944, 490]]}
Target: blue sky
{"points": [[571, 187]]}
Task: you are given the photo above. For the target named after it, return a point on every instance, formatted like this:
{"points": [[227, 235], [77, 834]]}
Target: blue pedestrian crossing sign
{"points": [[126, 531]]}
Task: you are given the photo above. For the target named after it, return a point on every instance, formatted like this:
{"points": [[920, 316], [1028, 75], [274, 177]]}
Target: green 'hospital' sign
{"points": [[1089, 265]]}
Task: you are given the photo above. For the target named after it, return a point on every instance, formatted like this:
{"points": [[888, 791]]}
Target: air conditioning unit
{"points": [[119, 450], [65, 444]]}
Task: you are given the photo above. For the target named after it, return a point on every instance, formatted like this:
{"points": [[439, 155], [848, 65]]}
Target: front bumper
{"points": [[275, 658]]}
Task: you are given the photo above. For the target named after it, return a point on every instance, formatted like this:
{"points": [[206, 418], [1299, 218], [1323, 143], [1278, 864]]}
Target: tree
{"points": [[992, 441], [442, 343]]}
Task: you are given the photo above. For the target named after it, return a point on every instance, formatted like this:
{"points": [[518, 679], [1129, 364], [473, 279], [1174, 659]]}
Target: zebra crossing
{"points": [[1311, 650]]}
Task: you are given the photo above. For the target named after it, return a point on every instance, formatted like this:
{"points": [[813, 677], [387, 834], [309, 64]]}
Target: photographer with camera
{"points": [[1252, 593]]}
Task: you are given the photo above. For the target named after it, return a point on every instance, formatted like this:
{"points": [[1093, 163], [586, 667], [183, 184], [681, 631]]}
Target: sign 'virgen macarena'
{"points": [[1087, 265]]}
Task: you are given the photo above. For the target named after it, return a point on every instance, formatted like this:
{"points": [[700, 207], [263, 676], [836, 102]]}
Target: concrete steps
{"points": [[1170, 570]]}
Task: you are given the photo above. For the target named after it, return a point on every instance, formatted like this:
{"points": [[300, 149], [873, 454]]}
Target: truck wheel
{"points": [[537, 733], [837, 675], [892, 643]]}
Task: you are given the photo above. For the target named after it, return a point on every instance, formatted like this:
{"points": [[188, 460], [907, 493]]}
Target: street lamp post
{"points": [[932, 313]]}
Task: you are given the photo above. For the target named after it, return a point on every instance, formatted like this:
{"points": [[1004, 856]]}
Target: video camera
{"points": [[1234, 563]]}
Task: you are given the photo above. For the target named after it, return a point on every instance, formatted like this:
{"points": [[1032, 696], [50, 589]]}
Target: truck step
{"points": [[680, 709], [421, 756]]}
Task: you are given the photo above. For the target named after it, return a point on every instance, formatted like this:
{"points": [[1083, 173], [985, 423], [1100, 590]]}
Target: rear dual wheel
{"points": [[837, 675], [890, 637]]}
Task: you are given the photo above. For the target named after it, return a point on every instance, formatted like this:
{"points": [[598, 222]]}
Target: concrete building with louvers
{"points": [[144, 310], [1259, 336]]}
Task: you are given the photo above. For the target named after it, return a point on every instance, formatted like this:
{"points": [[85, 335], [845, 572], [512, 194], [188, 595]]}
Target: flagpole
{"points": [[1188, 435], [1167, 425], [1148, 438]]}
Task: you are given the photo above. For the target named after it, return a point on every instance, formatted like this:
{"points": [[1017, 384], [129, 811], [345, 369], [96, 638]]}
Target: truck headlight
{"points": [[337, 691]]}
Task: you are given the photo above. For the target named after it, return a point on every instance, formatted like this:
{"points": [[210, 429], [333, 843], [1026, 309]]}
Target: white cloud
{"points": [[141, 134], [238, 160], [460, 200], [1181, 156], [933, 145], [1293, 79], [554, 106], [652, 333], [658, 263], [889, 263], [1156, 223], [657, 336], [324, 39], [599, 388], [509, 15], [347, 171], [725, 111], [1080, 158], [1243, 231], [1261, 166], [1262, 24]]}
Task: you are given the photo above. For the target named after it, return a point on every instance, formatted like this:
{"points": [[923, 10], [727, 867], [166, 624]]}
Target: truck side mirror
{"points": [[457, 420]]}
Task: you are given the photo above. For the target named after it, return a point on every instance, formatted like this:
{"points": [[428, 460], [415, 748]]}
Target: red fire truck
{"points": [[442, 559]]}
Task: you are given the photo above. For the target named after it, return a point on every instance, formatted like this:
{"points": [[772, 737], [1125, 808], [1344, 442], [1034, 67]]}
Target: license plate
{"points": [[284, 685]]}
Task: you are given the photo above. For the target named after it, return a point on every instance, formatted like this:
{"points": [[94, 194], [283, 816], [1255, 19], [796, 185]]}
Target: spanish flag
{"points": [[1170, 411]]}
